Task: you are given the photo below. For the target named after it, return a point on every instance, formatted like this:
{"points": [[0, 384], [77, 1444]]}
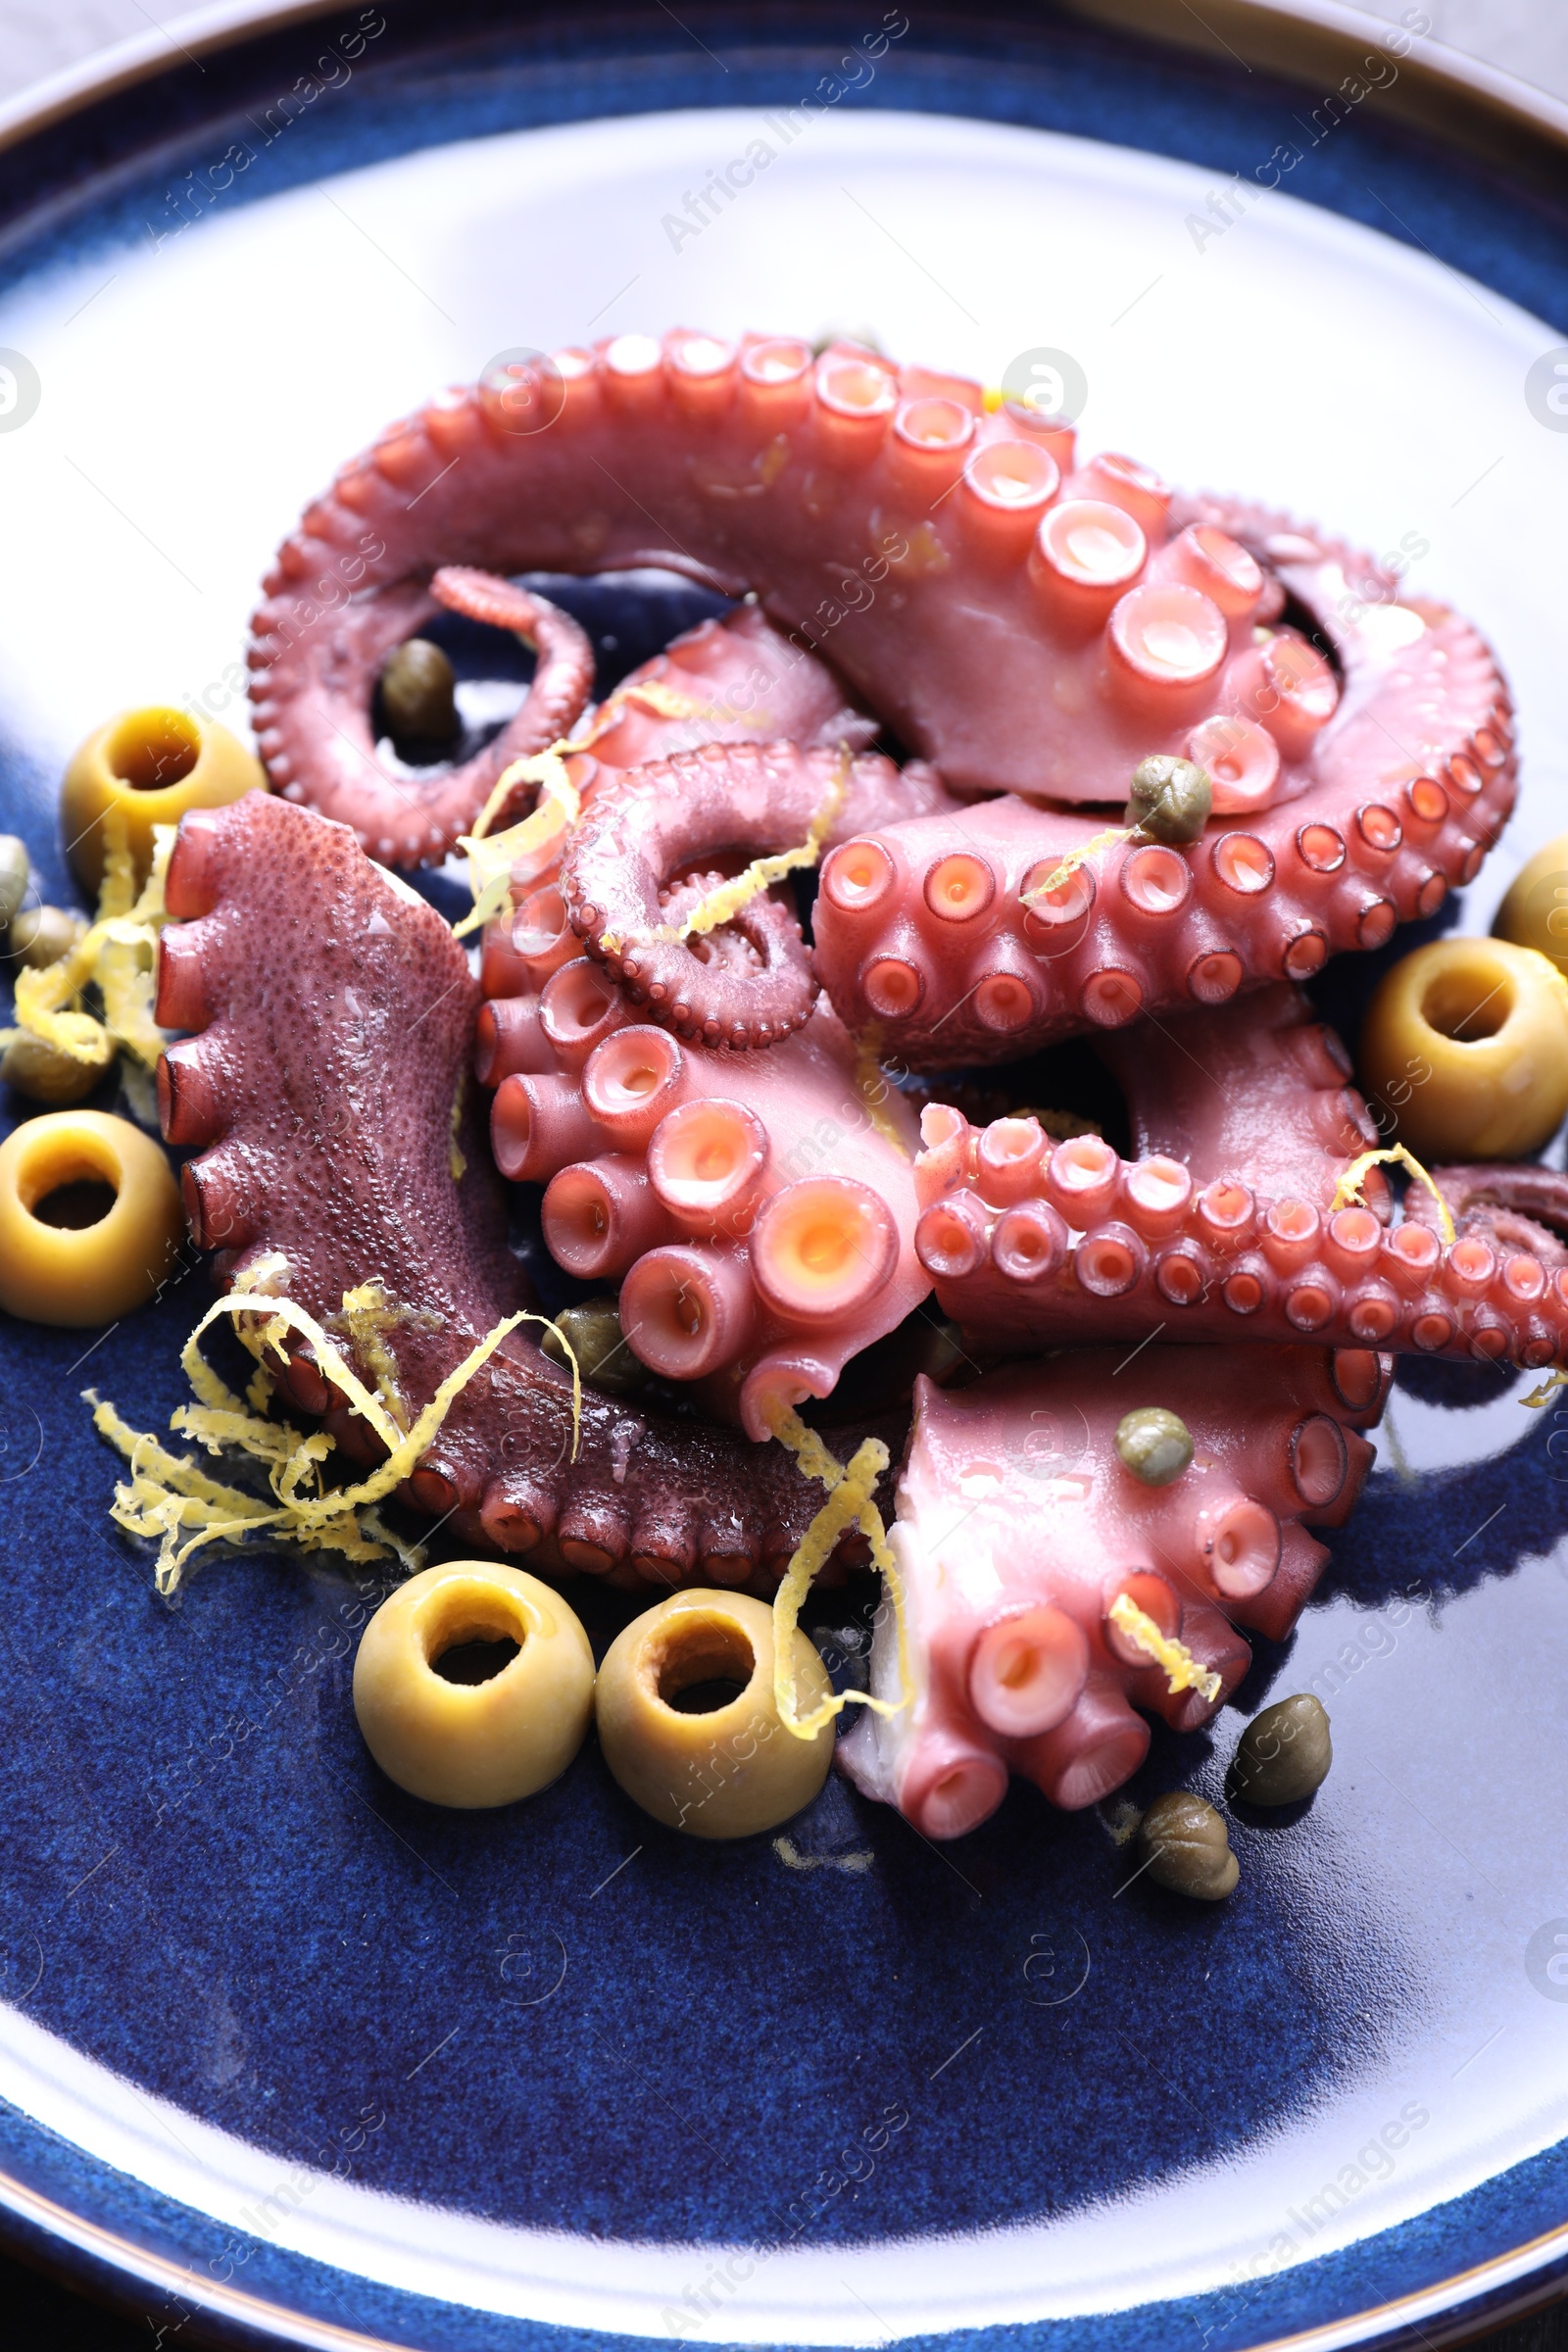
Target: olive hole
{"points": [[85, 1201], [707, 1664], [475, 1661], [1467, 1005], [154, 750], [706, 1698]]}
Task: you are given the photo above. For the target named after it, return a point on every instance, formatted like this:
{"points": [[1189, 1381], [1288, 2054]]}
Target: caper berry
{"points": [[418, 699], [1284, 1753], [1171, 799], [41, 935], [13, 877], [1155, 1445], [1183, 1842], [41, 1072], [604, 1358]]}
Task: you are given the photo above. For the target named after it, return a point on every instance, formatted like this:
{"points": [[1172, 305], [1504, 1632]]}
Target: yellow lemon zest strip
{"points": [[116, 953], [491, 857], [664, 701], [725, 902], [1547, 1390], [168, 1494], [1076, 857], [368, 1315], [1182, 1670], [1348, 1188], [850, 1486]]}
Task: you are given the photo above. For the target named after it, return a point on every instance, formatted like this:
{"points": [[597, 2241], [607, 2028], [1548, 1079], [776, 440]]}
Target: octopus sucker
{"points": [[1240, 1218]]}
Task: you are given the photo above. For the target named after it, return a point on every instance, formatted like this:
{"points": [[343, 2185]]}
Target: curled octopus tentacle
{"points": [[967, 941], [760, 1218], [750, 801], [1511, 1208], [1225, 1227], [890, 515], [323, 1095], [734, 680], [1018, 1661], [317, 738]]}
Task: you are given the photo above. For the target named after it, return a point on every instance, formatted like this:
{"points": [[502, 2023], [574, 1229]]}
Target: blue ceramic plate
{"points": [[283, 2044]]}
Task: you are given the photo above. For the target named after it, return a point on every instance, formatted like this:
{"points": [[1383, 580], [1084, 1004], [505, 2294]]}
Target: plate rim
{"points": [[1448, 96], [1448, 86]]}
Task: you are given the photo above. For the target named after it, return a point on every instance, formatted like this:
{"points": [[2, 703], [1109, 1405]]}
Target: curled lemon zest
{"points": [[1554, 1380], [664, 701], [1348, 1188], [850, 1487], [1076, 857], [1182, 1670], [116, 955], [169, 1495], [492, 856], [366, 1316]]}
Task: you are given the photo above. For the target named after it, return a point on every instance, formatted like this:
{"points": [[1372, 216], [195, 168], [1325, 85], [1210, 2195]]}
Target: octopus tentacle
{"points": [[735, 680], [747, 800], [945, 932], [1226, 1225], [315, 736], [1018, 1660], [889, 514], [333, 1015], [1513, 1209], [760, 1218]]}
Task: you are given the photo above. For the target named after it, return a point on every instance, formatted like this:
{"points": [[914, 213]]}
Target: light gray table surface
{"points": [[41, 38]]}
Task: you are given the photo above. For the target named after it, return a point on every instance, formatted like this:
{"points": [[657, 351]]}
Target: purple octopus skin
{"points": [[731, 803], [416, 819], [335, 1015], [889, 518], [1223, 1227]]}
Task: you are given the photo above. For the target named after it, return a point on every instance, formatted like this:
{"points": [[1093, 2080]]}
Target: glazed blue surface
{"points": [[206, 1884]]}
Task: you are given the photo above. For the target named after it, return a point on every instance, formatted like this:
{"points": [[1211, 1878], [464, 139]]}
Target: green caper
{"points": [[41, 1072], [1155, 1445], [417, 697], [592, 1331], [41, 935], [13, 877], [1284, 1753], [1182, 1841], [1171, 799]]}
